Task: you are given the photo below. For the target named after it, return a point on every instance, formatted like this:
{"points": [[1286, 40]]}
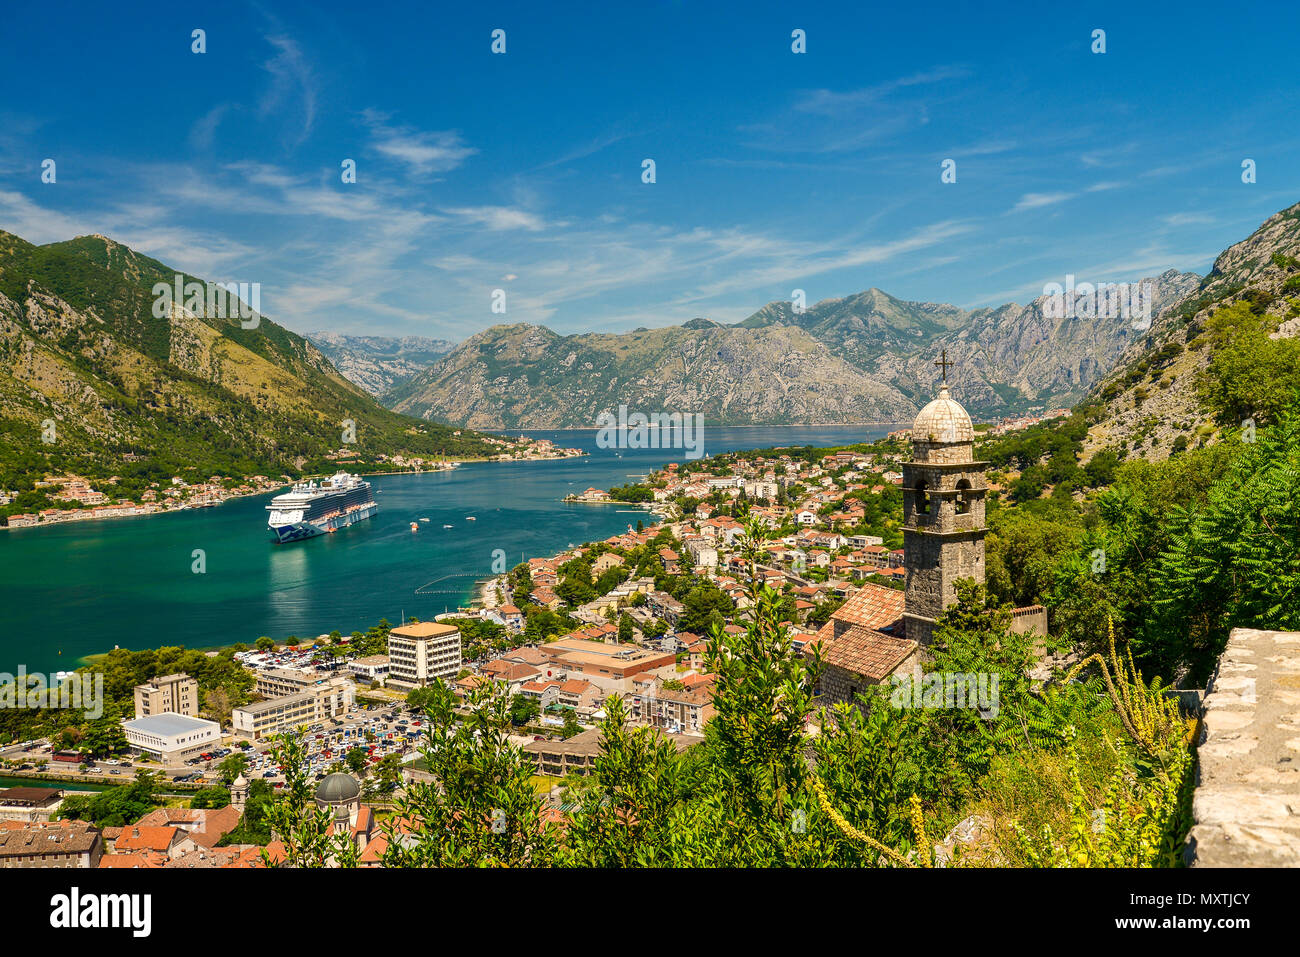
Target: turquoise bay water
{"points": [[86, 587]]}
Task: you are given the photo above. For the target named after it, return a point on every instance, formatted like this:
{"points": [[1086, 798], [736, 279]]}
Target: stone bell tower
{"points": [[943, 511], [239, 793]]}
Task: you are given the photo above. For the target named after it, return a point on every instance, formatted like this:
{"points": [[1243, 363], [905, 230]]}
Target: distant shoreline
{"points": [[719, 425], [276, 488]]}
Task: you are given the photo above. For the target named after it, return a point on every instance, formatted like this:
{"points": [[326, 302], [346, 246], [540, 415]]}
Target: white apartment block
{"points": [[370, 668], [423, 652], [278, 682], [170, 694], [263, 719]]}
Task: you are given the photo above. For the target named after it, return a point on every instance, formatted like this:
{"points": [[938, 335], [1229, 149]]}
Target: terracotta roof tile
{"points": [[872, 606], [865, 652], [147, 838]]}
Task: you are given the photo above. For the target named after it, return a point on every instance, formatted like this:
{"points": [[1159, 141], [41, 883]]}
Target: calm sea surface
{"points": [[85, 587]]}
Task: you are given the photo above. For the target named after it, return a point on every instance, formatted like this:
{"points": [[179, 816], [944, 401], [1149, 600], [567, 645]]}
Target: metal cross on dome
{"points": [[943, 363]]}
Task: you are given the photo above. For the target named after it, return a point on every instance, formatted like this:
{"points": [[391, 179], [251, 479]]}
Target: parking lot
{"points": [[379, 731]]}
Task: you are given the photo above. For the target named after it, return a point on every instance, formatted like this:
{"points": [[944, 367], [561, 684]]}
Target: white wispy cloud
{"points": [[824, 120], [1039, 200], [291, 76], [833, 102], [38, 224], [204, 130], [140, 226], [498, 217], [422, 152]]}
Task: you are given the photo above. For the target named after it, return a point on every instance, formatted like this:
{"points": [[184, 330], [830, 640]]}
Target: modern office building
{"points": [[171, 738]]}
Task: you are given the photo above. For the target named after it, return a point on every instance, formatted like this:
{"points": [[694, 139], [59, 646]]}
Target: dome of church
{"points": [[943, 421], [337, 788]]}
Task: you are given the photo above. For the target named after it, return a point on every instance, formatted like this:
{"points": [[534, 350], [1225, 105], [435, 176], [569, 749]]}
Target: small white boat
{"points": [[470, 518], [424, 519], [446, 526]]}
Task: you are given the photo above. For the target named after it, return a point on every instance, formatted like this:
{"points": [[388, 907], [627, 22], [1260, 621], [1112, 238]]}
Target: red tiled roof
{"points": [[873, 606], [146, 838], [860, 646], [132, 861], [865, 652], [211, 824]]}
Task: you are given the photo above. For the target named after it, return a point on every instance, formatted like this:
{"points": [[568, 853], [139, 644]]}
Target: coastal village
{"points": [[864, 548], [78, 499]]}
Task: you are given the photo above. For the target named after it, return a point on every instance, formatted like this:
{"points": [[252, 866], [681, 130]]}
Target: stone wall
{"points": [[1246, 808], [1031, 619]]}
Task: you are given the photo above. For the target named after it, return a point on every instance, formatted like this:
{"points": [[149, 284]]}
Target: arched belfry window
{"points": [[922, 497], [963, 497]]}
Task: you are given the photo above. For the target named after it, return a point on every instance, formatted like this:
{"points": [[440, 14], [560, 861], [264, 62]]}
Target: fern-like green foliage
{"points": [[1137, 822], [1234, 560]]}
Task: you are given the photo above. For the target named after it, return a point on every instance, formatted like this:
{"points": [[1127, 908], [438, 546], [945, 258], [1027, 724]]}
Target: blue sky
{"points": [[522, 171]]}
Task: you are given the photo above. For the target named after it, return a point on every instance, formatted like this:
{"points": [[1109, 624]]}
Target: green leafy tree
{"points": [[232, 767], [356, 761], [523, 710], [480, 808], [1234, 560], [303, 830], [215, 796]]}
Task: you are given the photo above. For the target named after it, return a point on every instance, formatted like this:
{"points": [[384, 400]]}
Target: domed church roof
{"points": [[943, 421], [337, 788]]}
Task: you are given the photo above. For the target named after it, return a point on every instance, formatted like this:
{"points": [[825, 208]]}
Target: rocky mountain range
{"points": [[864, 358], [379, 363], [524, 376]]}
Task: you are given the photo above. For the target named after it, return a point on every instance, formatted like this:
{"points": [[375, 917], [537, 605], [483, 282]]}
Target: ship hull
{"points": [[299, 531]]}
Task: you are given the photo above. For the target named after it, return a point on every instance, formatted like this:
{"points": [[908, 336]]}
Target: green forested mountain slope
{"points": [[1225, 353], [129, 393]]}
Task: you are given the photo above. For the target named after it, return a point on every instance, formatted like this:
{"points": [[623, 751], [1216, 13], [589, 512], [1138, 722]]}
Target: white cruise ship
{"points": [[312, 508]]}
